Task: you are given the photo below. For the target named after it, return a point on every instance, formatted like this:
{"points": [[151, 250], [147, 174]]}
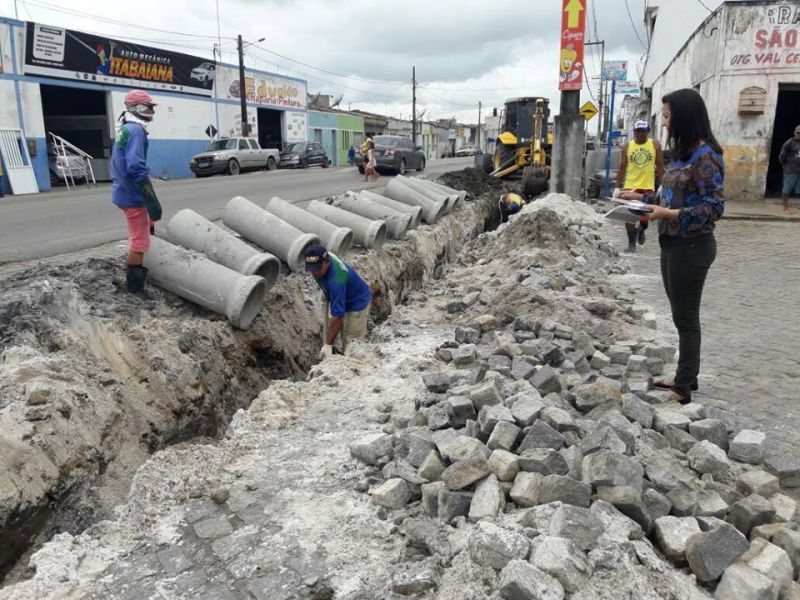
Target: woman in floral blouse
{"points": [[691, 201]]}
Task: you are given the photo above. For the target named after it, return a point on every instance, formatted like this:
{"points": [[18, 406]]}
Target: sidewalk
{"points": [[769, 209]]}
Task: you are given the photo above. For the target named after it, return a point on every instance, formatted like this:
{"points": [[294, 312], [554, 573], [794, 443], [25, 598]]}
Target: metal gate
{"points": [[17, 162]]}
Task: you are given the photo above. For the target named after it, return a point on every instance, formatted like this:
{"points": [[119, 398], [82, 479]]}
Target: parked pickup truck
{"points": [[233, 155]]}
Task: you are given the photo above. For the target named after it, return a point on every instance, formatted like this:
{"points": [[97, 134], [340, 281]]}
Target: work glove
{"points": [[327, 350], [151, 202]]}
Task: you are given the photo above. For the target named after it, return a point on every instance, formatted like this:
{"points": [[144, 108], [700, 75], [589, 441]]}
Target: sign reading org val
{"points": [[56, 52]]}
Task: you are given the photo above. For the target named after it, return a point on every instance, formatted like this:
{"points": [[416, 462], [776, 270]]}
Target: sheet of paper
{"points": [[621, 213]]}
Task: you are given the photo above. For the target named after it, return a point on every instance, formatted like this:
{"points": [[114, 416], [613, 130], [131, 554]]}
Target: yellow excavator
{"points": [[523, 147]]}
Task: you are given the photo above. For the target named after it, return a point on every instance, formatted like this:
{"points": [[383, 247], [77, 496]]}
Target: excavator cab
{"points": [[522, 149]]}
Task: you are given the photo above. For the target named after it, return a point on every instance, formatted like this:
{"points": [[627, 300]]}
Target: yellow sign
{"points": [[588, 110]]}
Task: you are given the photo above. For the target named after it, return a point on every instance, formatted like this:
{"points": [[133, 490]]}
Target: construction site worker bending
{"points": [[510, 204], [131, 189], [347, 298], [641, 166]]}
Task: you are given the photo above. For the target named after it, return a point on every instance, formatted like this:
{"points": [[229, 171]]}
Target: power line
{"points": [[705, 6], [636, 31], [354, 78], [70, 11], [450, 102]]}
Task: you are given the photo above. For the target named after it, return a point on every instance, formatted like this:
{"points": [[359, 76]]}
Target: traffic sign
{"points": [[211, 131], [588, 110]]}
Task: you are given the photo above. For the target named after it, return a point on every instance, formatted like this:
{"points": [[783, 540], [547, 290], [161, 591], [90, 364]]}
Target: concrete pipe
{"points": [[366, 232], [415, 212], [397, 223], [268, 231], [335, 239], [431, 211], [449, 200], [189, 229], [204, 282], [456, 197], [462, 194]]}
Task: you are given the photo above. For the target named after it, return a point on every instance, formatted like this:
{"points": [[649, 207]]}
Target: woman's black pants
{"points": [[684, 266]]}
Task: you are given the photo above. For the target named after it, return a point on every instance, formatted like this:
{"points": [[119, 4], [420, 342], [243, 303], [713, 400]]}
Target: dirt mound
{"points": [[473, 180]]}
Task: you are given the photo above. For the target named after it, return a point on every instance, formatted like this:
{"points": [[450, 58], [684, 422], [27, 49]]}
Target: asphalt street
{"points": [[52, 223]]}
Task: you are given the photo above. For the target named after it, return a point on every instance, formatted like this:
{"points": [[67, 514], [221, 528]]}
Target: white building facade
{"points": [[744, 60], [55, 80]]}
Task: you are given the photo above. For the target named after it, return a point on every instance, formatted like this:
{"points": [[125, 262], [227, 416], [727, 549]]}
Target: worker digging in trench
{"points": [[510, 204], [347, 298]]}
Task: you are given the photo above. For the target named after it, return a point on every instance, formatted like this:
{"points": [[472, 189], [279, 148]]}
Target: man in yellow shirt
{"points": [[641, 164]]}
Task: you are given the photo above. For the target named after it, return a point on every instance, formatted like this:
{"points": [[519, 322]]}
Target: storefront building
{"points": [[70, 84], [336, 131]]}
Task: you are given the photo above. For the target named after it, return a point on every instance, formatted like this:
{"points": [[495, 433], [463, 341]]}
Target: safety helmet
{"points": [[141, 104], [512, 200]]}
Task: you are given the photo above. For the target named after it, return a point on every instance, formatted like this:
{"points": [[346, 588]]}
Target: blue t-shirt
{"points": [[343, 287]]}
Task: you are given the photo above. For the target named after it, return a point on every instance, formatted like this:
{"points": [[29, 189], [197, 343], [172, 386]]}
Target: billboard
{"points": [[264, 89], [573, 36], [615, 70], [628, 87], [66, 54]]}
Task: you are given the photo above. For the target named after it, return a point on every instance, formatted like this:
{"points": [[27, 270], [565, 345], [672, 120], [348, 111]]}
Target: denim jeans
{"points": [[684, 266]]}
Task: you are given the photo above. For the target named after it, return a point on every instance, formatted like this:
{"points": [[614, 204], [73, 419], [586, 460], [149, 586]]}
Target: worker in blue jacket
{"points": [[132, 190]]}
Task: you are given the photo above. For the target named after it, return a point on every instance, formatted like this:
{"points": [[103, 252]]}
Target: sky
{"points": [[465, 51]]}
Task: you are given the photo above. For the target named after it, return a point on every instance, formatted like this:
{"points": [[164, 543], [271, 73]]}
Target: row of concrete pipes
{"points": [[208, 265]]}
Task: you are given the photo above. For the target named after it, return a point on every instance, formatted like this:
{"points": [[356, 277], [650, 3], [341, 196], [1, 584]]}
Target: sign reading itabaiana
{"points": [[66, 54]]}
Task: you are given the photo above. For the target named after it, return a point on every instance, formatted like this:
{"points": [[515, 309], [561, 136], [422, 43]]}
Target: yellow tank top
{"points": [[641, 171]]}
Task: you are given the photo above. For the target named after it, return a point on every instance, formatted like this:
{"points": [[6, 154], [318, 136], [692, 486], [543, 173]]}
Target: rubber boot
{"points": [[642, 228], [631, 238], [136, 276]]}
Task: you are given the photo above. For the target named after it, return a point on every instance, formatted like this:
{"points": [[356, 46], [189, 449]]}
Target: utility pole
{"points": [[414, 105], [478, 144], [566, 175], [602, 44], [242, 88]]}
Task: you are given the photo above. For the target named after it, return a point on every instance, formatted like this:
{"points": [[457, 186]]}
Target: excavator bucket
{"points": [[535, 181]]}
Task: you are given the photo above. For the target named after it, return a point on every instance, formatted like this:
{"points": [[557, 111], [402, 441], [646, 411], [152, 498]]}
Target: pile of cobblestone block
{"points": [[552, 449]]}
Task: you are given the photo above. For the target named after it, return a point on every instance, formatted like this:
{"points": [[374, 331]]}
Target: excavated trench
{"points": [[92, 382]]}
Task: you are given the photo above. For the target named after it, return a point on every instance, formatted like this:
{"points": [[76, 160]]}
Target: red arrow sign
{"points": [[573, 36]]}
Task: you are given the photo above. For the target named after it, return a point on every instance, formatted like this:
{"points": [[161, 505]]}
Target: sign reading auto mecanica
{"points": [[66, 54], [573, 34]]}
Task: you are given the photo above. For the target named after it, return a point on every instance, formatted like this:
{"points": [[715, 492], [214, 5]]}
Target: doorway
{"points": [[270, 131], [787, 117], [80, 116]]}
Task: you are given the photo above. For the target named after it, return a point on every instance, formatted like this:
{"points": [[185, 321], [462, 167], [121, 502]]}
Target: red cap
{"points": [[135, 97]]}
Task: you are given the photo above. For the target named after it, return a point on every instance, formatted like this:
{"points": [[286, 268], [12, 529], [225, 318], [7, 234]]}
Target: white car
{"points": [[204, 74], [466, 151]]}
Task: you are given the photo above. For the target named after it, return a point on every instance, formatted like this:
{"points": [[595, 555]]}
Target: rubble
{"points": [[514, 449]]}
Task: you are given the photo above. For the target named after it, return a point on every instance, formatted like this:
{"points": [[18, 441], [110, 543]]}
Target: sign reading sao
{"points": [[769, 42], [573, 36]]}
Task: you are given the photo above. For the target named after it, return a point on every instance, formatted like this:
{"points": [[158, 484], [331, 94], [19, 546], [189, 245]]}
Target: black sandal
{"points": [[680, 399], [668, 384]]}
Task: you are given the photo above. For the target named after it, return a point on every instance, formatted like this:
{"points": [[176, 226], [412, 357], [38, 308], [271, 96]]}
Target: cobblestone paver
{"points": [[750, 366]]}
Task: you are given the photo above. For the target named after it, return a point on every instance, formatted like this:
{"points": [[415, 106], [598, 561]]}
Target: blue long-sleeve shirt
{"points": [[129, 166], [695, 186]]}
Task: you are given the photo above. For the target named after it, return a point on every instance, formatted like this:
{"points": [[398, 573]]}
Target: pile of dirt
{"points": [[474, 181]]}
